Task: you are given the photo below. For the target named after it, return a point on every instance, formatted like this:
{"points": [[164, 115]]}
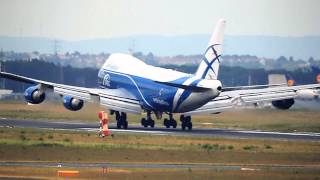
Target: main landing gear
{"points": [[121, 119], [186, 122], [145, 122], [170, 122]]}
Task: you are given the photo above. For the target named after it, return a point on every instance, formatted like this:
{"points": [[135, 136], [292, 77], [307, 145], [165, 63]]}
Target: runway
{"points": [[213, 166], [44, 124]]}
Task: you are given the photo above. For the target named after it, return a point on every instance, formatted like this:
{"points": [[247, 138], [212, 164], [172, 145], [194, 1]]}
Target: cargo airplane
{"points": [[128, 85]]}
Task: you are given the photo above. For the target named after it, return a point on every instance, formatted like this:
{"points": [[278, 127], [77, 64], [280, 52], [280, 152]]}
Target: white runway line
{"points": [[71, 123], [128, 130], [279, 133], [236, 131], [89, 129], [249, 169], [206, 123]]}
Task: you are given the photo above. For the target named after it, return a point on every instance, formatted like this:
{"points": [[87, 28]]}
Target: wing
{"points": [[229, 99], [115, 99]]}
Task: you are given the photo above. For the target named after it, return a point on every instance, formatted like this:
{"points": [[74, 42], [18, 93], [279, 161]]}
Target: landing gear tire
{"points": [[125, 125], [118, 125], [166, 123], [186, 123], [147, 122], [151, 123], [144, 123], [174, 124], [183, 127], [170, 122], [121, 120]]}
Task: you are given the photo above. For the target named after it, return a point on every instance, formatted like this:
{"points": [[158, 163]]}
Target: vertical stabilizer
{"points": [[209, 66]]}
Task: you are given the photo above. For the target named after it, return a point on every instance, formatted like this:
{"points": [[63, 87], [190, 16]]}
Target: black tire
{"points": [[187, 119], [152, 123], [181, 118], [183, 126], [190, 126], [144, 122], [118, 125], [117, 116], [124, 116], [125, 124], [166, 123], [174, 124]]}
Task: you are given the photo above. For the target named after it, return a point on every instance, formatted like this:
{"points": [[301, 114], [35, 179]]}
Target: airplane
{"points": [[128, 85]]}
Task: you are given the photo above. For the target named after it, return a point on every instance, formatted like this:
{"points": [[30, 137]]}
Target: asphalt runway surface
{"points": [[213, 166], [43, 124]]}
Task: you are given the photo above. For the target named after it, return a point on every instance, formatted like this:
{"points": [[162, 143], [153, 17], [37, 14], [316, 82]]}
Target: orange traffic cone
{"points": [[104, 120]]}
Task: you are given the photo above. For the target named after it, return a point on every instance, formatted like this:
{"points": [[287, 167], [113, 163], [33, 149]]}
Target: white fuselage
{"points": [[148, 84]]}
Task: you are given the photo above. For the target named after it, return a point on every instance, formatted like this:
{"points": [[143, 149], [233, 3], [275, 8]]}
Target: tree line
{"points": [[87, 77]]}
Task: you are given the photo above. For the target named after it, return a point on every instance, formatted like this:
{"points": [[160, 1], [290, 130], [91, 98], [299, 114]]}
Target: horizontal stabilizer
{"points": [[251, 87]]}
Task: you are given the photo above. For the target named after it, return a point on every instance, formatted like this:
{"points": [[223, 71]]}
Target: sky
{"points": [[90, 19]]}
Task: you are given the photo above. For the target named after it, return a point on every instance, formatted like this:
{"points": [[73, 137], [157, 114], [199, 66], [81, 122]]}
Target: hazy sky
{"points": [[86, 19]]}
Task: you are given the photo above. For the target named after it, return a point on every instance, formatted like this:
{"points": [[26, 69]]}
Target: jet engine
{"points": [[33, 95], [72, 103], [283, 104]]}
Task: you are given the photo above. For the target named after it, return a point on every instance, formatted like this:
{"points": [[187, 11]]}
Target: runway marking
{"points": [[128, 130], [279, 133], [249, 169], [71, 123], [140, 131]]}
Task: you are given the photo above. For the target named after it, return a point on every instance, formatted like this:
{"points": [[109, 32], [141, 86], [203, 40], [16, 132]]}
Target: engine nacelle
{"points": [[283, 104], [72, 104], [33, 95]]}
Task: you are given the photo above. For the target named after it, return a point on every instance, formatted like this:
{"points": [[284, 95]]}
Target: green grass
{"points": [[75, 146], [78, 146], [250, 148]]}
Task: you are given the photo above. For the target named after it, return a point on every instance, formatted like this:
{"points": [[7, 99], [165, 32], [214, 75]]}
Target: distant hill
{"points": [[261, 46]]}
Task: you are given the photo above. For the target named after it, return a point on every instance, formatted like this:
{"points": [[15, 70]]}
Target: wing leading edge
{"points": [[229, 99], [115, 99]]}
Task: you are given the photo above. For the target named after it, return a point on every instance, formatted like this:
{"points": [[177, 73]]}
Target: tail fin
{"points": [[209, 66]]}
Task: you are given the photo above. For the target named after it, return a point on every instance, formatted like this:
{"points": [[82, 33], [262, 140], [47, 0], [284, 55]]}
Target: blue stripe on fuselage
{"points": [[152, 95], [186, 94]]}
